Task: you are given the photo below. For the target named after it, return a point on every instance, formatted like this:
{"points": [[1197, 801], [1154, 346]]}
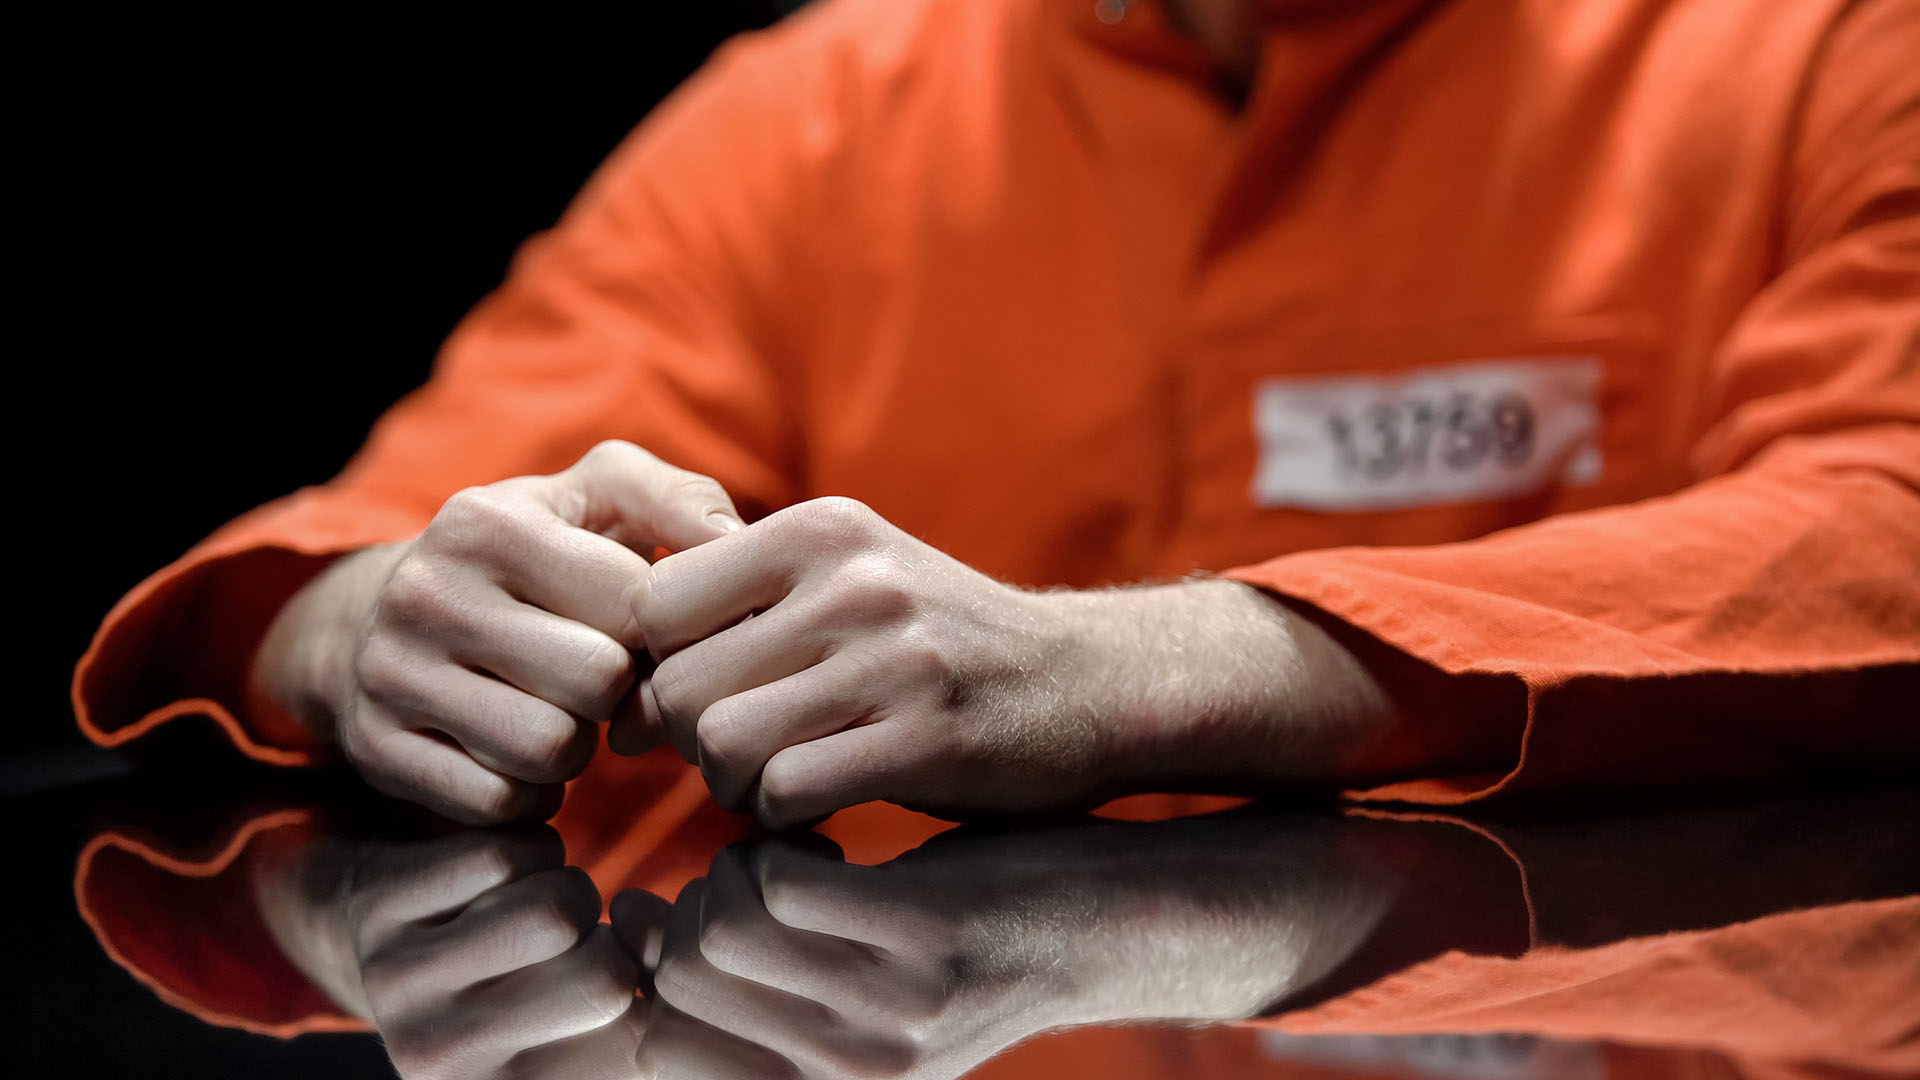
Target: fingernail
{"points": [[725, 522]]}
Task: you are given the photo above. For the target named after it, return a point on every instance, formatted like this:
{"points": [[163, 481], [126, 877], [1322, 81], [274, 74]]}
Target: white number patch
{"points": [[1458, 433]]}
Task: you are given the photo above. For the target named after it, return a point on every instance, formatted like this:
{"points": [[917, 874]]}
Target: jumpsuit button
{"points": [[1110, 11]]}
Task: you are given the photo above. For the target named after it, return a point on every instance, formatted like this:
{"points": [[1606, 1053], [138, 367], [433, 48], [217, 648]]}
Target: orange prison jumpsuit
{"points": [[1570, 343]]}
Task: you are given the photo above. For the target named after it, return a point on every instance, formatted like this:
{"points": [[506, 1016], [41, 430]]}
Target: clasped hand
{"points": [[823, 657], [818, 658]]}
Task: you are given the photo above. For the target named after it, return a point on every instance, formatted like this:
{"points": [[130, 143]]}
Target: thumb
{"points": [[624, 492]]}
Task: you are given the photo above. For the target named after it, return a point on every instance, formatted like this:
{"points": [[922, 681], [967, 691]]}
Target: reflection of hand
{"points": [[475, 955], [929, 965]]}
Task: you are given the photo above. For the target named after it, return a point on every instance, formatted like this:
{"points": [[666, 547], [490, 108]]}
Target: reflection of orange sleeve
{"points": [[186, 923], [1773, 977], [188, 927], [1813, 984], [642, 317], [1814, 992], [1768, 619]]}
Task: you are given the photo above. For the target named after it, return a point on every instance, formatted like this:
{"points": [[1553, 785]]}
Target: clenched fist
{"points": [[475, 955], [466, 670], [823, 657]]}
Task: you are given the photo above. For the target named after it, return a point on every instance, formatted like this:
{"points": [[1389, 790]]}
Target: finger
{"points": [[606, 1053], [693, 595], [635, 727], [579, 575], [753, 652], [810, 780], [624, 492], [424, 767], [406, 883], [518, 925], [736, 738], [844, 901], [568, 664], [678, 1047], [504, 728], [582, 990], [739, 938], [517, 534], [803, 1031], [692, 986], [640, 925]]}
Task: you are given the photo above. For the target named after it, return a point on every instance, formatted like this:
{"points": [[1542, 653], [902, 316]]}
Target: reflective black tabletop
{"points": [[277, 924]]}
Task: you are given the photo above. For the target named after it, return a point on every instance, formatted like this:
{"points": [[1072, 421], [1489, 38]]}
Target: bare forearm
{"points": [[1218, 685]]}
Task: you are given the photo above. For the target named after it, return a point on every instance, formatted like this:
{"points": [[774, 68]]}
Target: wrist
{"points": [[302, 673], [300, 882], [1215, 685]]}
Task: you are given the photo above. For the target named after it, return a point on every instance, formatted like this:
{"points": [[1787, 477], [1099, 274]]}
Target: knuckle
{"points": [[782, 898], [464, 509], [550, 927], [780, 793], [612, 451], [672, 687], [553, 747], [606, 668], [873, 587], [725, 756], [602, 994], [415, 594], [719, 738], [696, 487], [919, 653], [635, 602], [722, 946], [835, 518], [494, 802], [674, 978], [480, 521], [492, 861], [382, 670], [648, 595]]}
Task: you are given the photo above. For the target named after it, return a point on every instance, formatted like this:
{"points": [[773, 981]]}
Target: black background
{"points": [[246, 241], [240, 243]]}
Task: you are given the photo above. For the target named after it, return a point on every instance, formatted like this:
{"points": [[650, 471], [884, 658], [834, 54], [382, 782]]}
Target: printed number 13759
{"points": [[1457, 433]]}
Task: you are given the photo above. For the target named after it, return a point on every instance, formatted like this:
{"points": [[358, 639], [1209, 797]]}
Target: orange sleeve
{"points": [[643, 315], [188, 927], [1767, 619]]}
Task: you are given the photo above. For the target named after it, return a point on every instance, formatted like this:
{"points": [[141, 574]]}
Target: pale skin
{"points": [[481, 954], [926, 966], [478, 954], [467, 669], [822, 657]]}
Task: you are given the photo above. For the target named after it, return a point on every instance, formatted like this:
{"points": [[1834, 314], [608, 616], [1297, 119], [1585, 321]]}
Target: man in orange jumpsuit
{"points": [[1504, 397]]}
